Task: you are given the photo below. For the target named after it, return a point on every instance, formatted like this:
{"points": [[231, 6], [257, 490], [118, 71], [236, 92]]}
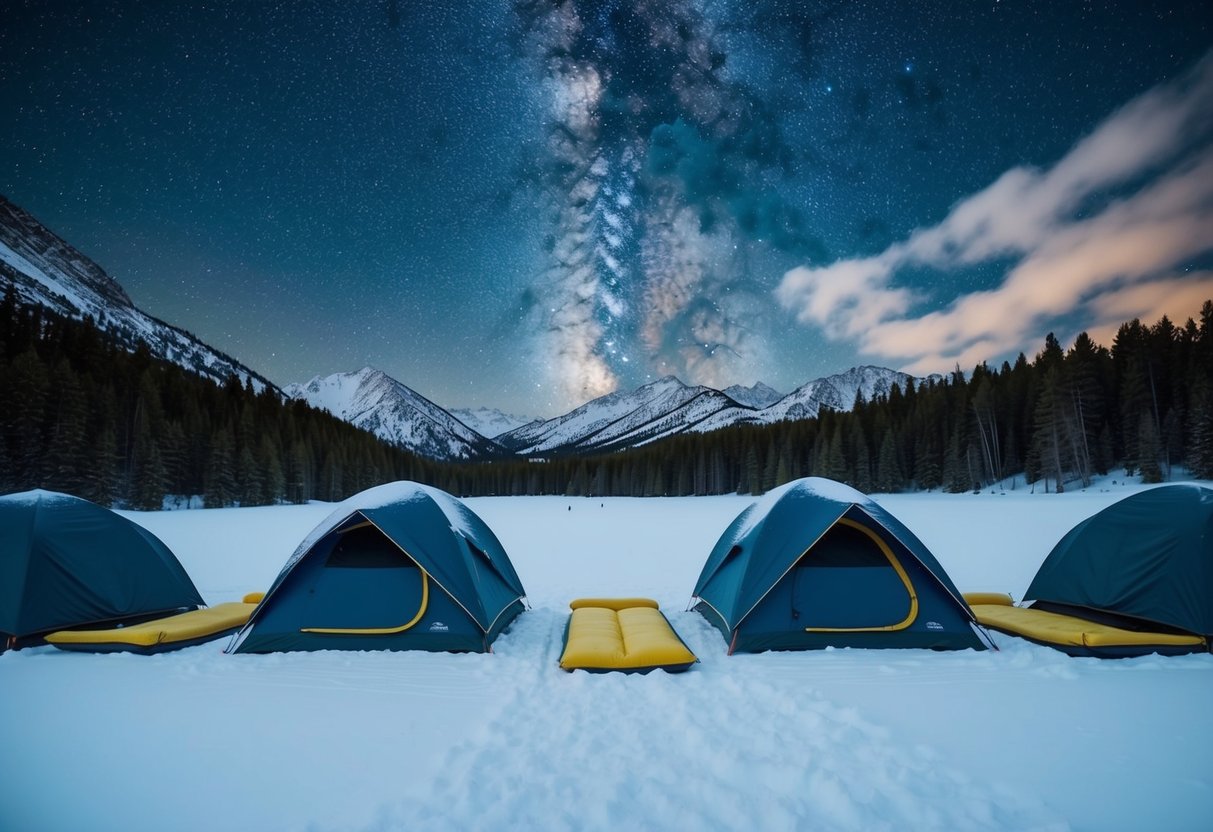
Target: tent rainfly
{"points": [[1142, 562], [815, 564], [66, 563], [398, 567]]}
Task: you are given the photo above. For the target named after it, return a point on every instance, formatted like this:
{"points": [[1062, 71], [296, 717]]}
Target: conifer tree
{"points": [[985, 412], [783, 469], [148, 482], [101, 484], [747, 483], [928, 471], [8, 482], [24, 417], [955, 478], [249, 481], [299, 476], [888, 470], [220, 472], [770, 466], [1133, 396], [65, 448], [1047, 434], [1200, 428], [861, 473], [835, 465], [1148, 451]]}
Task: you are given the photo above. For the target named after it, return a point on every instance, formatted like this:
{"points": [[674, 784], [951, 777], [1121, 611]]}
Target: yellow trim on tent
{"points": [[901, 573], [380, 631]]}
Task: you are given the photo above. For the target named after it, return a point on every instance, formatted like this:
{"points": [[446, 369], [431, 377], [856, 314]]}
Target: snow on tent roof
{"points": [[25, 498], [457, 514], [461, 519], [819, 486]]}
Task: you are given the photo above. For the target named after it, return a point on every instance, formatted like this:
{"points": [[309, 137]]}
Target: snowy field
{"points": [[1024, 738]]}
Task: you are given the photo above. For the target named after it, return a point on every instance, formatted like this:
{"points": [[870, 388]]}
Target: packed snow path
{"points": [[706, 749]]}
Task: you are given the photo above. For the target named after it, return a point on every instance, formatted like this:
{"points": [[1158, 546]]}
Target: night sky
{"points": [[528, 203]]}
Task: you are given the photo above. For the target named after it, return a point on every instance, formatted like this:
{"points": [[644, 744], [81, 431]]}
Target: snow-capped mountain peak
{"points": [[836, 392], [489, 421], [577, 426], [758, 396], [667, 407], [374, 401]]}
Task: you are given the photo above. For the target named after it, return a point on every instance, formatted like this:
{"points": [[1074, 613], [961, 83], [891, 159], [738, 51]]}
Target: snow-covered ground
{"points": [[1023, 738]]}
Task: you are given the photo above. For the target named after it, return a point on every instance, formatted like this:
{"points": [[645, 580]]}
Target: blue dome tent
{"points": [[1144, 563], [66, 563], [815, 564], [401, 566]]}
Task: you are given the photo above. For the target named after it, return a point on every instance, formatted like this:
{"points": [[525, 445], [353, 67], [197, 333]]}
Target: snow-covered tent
{"points": [[815, 563], [66, 563], [398, 567]]}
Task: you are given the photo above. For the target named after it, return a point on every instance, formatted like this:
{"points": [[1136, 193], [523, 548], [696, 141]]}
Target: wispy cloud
{"points": [[1108, 229]]}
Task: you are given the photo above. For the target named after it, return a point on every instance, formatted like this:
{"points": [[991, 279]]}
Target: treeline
{"points": [[83, 415], [1145, 404]]}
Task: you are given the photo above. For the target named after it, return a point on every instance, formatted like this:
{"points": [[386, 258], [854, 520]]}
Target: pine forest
{"points": [[85, 416]]}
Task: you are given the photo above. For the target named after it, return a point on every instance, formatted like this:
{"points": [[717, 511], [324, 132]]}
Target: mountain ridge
{"points": [[374, 401], [623, 419], [46, 270]]}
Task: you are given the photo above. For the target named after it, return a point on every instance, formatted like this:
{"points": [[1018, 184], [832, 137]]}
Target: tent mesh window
{"points": [[844, 546], [365, 547]]}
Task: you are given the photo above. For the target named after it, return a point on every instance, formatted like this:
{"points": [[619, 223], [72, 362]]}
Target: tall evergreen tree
{"points": [[66, 443], [148, 483], [1200, 428], [1149, 450], [24, 417], [220, 472], [888, 471], [928, 471], [1048, 430]]}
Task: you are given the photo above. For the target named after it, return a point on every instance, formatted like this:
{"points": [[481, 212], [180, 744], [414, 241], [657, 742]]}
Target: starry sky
{"points": [[528, 203]]}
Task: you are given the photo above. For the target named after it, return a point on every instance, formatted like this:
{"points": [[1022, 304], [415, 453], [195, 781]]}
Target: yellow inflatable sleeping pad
{"points": [[627, 634], [613, 603], [973, 599], [1068, 631], [171, 633]]}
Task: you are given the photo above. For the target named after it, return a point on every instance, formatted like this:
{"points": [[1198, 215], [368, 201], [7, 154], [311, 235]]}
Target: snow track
{"points": [[709, 748]]}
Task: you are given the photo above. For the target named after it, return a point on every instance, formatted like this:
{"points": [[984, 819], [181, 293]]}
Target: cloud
{"points": [[1106, 228], [1179, 298]]}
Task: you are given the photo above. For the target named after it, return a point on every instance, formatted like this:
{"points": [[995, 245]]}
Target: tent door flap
{"points": [[843, 598]]}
